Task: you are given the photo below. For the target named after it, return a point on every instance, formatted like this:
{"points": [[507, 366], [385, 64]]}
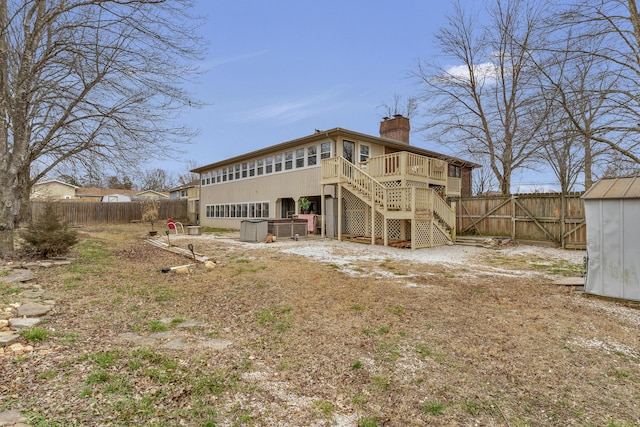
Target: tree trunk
{"points": [[12, 190], [588, 162]]}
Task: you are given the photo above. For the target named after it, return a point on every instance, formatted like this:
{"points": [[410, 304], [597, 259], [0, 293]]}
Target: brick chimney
{"points": [[395, 128]]}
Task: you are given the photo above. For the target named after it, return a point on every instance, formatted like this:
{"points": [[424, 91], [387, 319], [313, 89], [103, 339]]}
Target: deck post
{"points": [[323, 207], [373, 221], [340, 212]]}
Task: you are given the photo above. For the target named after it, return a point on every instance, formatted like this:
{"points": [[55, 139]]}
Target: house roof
{"points": [[333, 133], [614, 188], [56, 181], [194, 183], [99, 192]]}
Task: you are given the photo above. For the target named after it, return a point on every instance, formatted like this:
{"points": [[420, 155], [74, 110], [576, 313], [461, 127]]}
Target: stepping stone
{"points": [[137, 339], [20, 324], [33, 309], [32, 293], [191, 324], [176, 344], [10, 418], [217, 344], [19, 275], [570, 281], [8, 338]]}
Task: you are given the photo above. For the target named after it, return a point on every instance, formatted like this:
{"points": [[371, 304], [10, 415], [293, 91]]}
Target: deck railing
{"points": [[405, 164]]}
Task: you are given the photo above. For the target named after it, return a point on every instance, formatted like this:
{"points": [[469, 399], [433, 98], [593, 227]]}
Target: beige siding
{"points": [[52, 190], [266, 188]]}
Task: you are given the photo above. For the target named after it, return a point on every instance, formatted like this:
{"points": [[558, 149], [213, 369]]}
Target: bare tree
{"points": [[486, 105], [88, 82], [187, 177], [606, 36], [156, 180], [406, 108]]}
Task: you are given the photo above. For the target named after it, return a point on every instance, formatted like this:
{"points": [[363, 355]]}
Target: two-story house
{"points": [[357, 184]]}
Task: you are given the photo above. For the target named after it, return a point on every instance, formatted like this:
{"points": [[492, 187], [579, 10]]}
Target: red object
{"points": [[171, 224]]}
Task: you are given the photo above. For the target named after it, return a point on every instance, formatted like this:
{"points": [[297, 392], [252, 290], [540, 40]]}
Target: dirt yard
{"points": [[322, 333]]}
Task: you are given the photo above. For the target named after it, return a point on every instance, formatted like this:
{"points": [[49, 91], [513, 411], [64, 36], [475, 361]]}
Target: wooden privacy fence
{"points": [[542, 217], [76, 213]]}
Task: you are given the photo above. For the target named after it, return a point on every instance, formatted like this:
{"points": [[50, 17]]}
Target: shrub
{"points": [[47, 236]]}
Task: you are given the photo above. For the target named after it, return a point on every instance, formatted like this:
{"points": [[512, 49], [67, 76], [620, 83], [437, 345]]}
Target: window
{"points": [[312, 155], [237, 170], [208, 175], [288, 160], [348, 149], [224, 175], [244, 210], [252, 210], [269, 164], [219, 176], [278, 162], [265, 210], [230, 173], [325, 150], [299, 158], [364, 153], [455, 171], [260, 169], [244, 170]]}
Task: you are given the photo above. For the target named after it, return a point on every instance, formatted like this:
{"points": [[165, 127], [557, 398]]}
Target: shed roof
{"points": [[614, 188]]}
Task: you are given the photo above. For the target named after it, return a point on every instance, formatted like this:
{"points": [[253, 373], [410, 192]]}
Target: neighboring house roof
{"points": [[614, 188], [99, 192], [151, 193], [52, 181], [332, 133], [192, 184]]}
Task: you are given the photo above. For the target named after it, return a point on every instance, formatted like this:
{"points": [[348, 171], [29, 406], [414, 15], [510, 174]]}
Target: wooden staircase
{"points": [[392, 202]]}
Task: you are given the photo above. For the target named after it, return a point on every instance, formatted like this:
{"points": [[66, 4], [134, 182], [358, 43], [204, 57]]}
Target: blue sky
{"points": [[277, 70]]}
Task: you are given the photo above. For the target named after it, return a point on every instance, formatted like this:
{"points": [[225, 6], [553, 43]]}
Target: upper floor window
{"points": [[244, 170], [325, 150], [260, 168], [278, 162], [288, 160], [348, 148], [269, 164], [252, 168], [455, 171], [300, 158], [312, 155], [237, 171], [364, 153]]}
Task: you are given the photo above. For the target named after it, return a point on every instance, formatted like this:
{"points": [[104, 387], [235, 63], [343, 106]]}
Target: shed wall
{"points": [[613, 236]]}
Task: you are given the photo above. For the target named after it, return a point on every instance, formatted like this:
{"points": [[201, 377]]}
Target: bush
{"points": [[48, 236]]}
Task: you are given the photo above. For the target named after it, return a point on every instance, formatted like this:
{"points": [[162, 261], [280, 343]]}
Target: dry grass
{"points": [[313, 345]]}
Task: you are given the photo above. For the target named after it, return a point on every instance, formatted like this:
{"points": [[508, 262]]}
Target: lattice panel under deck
{"points": [[357, 215], [424, 230]]}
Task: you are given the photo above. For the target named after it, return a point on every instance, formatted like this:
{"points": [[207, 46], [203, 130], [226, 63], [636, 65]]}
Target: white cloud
{"points": [[217, 62], [486, 72], [292, 110]]}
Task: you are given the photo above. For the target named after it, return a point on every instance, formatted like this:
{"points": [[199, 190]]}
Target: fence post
{"points": [[563, 215], [513, 217]]}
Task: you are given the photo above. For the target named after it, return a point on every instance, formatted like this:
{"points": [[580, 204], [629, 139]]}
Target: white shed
{"points": [[612, 208], [113, 198]]}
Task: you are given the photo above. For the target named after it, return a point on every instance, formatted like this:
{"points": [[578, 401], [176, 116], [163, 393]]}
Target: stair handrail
{"points": [[442, 210], [365, 183]]}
